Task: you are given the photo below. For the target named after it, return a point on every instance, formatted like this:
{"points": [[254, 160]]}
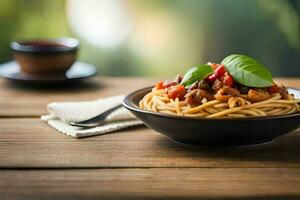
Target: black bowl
{"points": [[216, 131]]}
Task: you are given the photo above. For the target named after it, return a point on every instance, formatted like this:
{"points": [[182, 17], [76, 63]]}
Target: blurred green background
{"points": [[160, 37]]}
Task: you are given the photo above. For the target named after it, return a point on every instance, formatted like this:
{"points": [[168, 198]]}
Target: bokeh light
{"points": [[100, 22]]}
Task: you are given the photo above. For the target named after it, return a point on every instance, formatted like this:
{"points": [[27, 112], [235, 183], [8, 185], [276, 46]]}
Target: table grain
{"points": [[37, 162]]}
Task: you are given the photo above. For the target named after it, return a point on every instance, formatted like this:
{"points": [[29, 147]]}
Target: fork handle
{"points": [[97, 120]]}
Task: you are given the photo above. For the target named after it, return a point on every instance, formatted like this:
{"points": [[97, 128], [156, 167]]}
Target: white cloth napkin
{"points": [[60, 114]]}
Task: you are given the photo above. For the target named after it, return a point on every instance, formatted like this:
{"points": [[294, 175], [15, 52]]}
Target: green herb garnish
{"points": [[247, 71], [198, 72]]}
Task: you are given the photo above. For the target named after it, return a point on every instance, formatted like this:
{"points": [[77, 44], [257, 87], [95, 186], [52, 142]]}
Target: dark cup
{"points": [[49, 56]]}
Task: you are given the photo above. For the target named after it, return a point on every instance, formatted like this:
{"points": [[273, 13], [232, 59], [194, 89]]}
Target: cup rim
{"points": [[24, 46]]}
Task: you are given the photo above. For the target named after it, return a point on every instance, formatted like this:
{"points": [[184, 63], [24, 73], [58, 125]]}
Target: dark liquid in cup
{"points": [[43, 45]]}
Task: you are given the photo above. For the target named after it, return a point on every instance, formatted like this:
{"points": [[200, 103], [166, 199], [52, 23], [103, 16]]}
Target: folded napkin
{"points": [[60, 114]]}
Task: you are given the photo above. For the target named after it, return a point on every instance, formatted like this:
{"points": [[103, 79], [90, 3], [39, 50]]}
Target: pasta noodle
{"points": [[237, 87], [158, 101]]}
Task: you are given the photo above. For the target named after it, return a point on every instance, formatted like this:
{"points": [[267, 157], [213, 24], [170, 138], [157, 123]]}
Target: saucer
{"points": [[79, 71]]}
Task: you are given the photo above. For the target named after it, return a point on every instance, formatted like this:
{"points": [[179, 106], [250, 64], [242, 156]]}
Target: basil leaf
{"points": [[247, 71], [198, 72]]}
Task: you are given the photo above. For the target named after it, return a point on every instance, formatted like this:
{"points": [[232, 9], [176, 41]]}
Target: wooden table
{"points": [[37, 162]]}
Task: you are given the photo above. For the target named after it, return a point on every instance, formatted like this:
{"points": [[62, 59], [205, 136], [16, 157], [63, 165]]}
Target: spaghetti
{"points": [[218, 95], [158, 101]]}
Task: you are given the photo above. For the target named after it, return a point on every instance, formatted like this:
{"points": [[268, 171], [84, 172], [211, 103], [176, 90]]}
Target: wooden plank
{"points": [[31, 143], [187, 183], [26, 102], [33, 129]]}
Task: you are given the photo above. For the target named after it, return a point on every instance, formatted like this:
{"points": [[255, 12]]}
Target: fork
{"points": [[97, 120]]}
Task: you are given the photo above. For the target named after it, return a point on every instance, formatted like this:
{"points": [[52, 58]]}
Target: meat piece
{"points": [[178, 78], [196, 97], [257, 95], [285, 94], [225, 93], [217, 85], [193, 86], [201, 85]]}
